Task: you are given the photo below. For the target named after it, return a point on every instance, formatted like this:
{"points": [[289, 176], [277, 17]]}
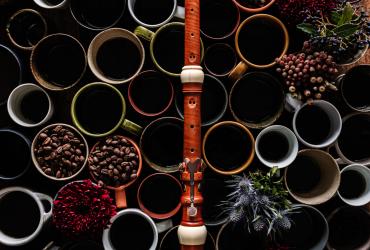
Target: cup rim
{"points": [[16, 118], [34, 70], [262, 16], [272, 119], [155, 166], [86, 26], [342, 79], [42, 4], [215, 45], [254, 10], [13, 41], [147, 25], [20, 67], [335, 134], [245, 164], [36, 163], [355, 201], [106, 239], [124, 186], [28, 142], [132, 101], [231, 32], [220, 115], [146, 210], [294, 152], [23, 240], [158, 31], [103, 37], [328, 194], [75, 120]]}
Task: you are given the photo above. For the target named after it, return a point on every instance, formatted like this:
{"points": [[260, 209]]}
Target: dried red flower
{"points": [[83, 210], [294, 11]]}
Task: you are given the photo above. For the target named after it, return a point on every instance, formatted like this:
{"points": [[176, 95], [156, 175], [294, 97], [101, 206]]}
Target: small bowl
{"points": [[36, 163]]}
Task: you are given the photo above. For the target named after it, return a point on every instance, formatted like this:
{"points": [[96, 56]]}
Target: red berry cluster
{"points": [[307, 76]]}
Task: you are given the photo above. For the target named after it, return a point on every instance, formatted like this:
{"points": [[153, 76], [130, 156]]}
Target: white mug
{"points": [[14, 105], [44, 216], [47, 5], [291, 153], [364, 198], [177, 11], [106, 234], [334, 119]]}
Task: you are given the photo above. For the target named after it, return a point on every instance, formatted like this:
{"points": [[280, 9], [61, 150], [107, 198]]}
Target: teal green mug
{"points": [[166, 47], [98, 109]]}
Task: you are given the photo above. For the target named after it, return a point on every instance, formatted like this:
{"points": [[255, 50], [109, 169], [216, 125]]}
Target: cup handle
{"points": [[47, 198], [180, 12], [132, 127], [51, 246], [144, 33], [339, 160], [292, 104], [238, 71], [121, 200], [163, 226]]}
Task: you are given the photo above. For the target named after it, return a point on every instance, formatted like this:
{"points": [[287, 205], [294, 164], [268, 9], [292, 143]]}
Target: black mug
{"points": [[257, 100], [10, 64], [214, 101], [349, 228], [97, 14], [14, 148], [162, 142], [355, 88]]}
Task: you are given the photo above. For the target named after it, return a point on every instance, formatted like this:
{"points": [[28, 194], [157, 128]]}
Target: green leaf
{"points": [[346, 15], [335, 16], [307, 28], [346, 29]]}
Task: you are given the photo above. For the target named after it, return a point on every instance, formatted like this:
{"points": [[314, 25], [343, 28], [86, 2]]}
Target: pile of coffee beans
{"points": [[60, 151], [114, 161]]}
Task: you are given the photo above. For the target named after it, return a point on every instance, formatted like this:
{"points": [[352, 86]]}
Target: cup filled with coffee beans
{"points": [[115, 162], [59, 152]]}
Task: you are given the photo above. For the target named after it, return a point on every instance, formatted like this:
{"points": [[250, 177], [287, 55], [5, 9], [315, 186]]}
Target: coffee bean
{"points": [[133, 176], [66, 146], [104, 171], [46, 141], [48, 171], [43, 136], [116, 151], [47, 148], [96, 160], [59, 174], [111, 166], [78, 152], [127, 151], [115, 171], [54, 145], [67, 153]]}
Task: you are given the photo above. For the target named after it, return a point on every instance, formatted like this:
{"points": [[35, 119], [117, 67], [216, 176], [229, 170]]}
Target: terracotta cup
{"points": [[241, 4], [150, 93], [220, 20], [349, 229], [116, 56], [97, 14], [220, 59], [214, 101], [228, 147], [120, 192], [170, 241], [58, 62], [263, 55], [25, 28], [161, 144], [313, 178]]}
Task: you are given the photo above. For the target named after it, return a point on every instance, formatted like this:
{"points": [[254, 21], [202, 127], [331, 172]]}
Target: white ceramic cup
{"points": [[177, 11], [47, 5], [44, 216], [335, 123], [364, 198], [14, 105], [291, 153], [106, 234]]}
